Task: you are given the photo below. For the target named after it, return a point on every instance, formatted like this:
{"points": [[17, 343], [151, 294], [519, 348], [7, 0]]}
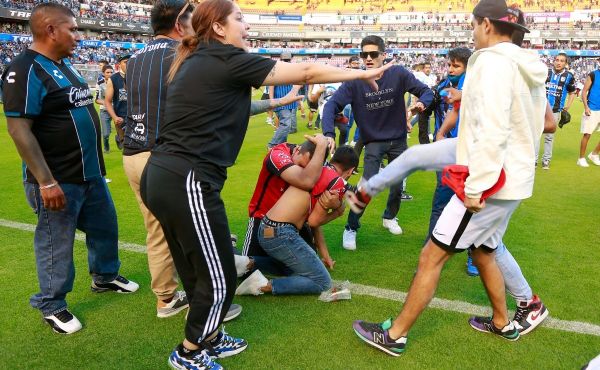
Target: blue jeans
{"points": [[105, 122], [374, 153], [515, 282], [90, 209], [287, 120], [307, 274]]}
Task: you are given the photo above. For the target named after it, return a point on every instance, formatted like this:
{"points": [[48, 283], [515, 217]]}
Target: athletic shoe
{"points": [[545, 165], [529, 314], [178, 303], [234, 311], [352, 143], [392, 226], [471, 268], [486, 325], [406, 196], [582, 162], [349, 239], [234, 240], [63, 322], [194, 360], [224, 345], [252, 284], [241, 264], [108, 181], [594, 158], [119, 285], [377, 335]]}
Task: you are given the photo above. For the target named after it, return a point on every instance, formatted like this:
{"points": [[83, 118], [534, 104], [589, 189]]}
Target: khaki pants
{"points": [[160, 263]]}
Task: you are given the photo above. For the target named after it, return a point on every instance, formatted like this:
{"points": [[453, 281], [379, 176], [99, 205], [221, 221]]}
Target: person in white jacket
{"points": [[502, 116]]}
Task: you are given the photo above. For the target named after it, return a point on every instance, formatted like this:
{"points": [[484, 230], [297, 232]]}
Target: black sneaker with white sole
{"points": [[119, 285], [63, 322]]}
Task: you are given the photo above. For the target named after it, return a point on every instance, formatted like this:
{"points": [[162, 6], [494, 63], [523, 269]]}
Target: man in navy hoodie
{"points": [[381, 117]]}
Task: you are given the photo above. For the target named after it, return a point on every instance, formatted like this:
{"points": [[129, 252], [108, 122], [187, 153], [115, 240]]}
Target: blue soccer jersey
{"points": [[558, 86], [65, 123]]}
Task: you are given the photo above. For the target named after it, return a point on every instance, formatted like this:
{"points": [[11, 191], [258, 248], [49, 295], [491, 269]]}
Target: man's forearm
{"points": [[31, 153]]}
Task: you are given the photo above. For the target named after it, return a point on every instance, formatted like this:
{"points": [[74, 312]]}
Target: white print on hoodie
{"points": [[501, 119]]}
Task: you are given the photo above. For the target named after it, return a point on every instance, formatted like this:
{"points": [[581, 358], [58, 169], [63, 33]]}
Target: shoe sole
{"points": [[103, 290], [498, 335], [172, 313], [349, 248], [391, 232], [230, 353], [229, 318], [529, 329], [472, 274], [383, 349]]}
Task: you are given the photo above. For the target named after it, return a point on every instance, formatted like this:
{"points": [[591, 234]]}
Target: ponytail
{"points": [[187, 46]]}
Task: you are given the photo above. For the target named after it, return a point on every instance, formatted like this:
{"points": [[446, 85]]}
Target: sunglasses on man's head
{"points": [[372, 54]]}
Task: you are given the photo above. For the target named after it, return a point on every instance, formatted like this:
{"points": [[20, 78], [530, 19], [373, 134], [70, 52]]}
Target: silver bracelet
{"points": [[45, 187]]}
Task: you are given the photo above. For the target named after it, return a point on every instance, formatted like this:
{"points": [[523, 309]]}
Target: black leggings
{"points": [[192, 216]]}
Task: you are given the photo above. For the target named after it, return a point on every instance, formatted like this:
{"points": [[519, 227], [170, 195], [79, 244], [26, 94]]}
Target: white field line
{"points": [[439, 303]]}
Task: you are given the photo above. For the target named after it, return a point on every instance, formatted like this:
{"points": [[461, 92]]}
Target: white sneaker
{"points": [[582, 162], [108, 181], [392, 226], [241, 264], [178, 303], [252, 285], [594, 158], [349, 240], [352, 143], [63, 322]]}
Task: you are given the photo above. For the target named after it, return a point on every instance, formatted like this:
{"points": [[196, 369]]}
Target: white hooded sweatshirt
{"points": [[501, 119]]}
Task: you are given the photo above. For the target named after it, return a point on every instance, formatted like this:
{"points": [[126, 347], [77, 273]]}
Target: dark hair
{"points": [[307, 147], [500, 28], [43, 10], [518, 35], [346, 157], [373, 40], [564, 55], [460, 55], [108, 66], [104, 61], [163, 15], [203, 17]]}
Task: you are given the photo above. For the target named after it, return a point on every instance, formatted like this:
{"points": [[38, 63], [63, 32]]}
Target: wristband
{"points": [[49, 186]]}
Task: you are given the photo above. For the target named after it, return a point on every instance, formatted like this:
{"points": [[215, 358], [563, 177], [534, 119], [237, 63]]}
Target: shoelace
{"points": [[204, 359], [64, 316], [520, 313], [121, 279]]}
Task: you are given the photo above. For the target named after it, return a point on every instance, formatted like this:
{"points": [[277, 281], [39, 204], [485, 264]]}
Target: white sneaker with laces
{"points": [[252, 285], [241, 264], [582, 162], [349, 240], [594, 158], [392, 226]]}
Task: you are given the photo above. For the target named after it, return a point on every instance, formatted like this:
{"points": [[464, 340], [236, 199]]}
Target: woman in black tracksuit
{"points": [[206, 117]]}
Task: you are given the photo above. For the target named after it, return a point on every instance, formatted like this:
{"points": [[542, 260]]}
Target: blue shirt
{"points": [[558, 85], [594, 93], [280, 92], [65, 123], [380, 115]]}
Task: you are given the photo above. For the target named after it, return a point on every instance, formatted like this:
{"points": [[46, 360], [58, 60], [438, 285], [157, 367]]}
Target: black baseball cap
{"points": [[497, 11], [123, 57]]}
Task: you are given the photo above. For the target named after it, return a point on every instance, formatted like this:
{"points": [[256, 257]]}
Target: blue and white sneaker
{"points": [[194, 360], [377, 335], [471, 268], [224, 345]]}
